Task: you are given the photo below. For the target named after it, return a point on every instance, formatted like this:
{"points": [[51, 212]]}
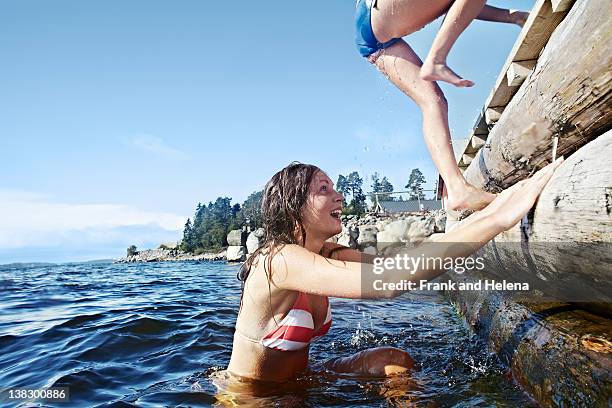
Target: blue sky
{"points": [[118, 117]]}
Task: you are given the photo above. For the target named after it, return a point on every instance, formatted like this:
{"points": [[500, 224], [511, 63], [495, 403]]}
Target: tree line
{"points": [[211, 223], [208, 228]]}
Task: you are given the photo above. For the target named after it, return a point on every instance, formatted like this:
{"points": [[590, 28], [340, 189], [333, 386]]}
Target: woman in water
{"points": [[381, 24], [287, 281]]}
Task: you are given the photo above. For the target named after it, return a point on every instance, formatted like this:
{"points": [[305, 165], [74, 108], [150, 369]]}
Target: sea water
{"points": [[154, 334]]}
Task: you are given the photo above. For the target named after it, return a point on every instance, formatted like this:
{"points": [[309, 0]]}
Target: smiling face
{"points": [[321, 213]]}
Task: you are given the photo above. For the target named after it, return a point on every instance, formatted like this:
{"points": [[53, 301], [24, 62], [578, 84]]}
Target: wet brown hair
{"points": [[283, 199]]}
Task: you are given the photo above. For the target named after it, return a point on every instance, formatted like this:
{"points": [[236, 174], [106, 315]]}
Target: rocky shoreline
{"points": [[370, 233], [170, 255]]}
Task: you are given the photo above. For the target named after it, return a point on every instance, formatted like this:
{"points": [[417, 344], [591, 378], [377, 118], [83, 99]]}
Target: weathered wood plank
{"points": [[469, 149], [477, 141], [481, 127], [533, 37], [492, 115], [569, 89], [467, 158], [519, 71]]}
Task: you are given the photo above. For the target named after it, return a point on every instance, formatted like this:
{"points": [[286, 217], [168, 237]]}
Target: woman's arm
{"points": [[344, 253], [296, 268]]}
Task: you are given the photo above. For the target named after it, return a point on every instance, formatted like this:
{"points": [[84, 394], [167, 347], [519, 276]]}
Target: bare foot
{"points": [[470, 198], [519, 17], [441, 72]]}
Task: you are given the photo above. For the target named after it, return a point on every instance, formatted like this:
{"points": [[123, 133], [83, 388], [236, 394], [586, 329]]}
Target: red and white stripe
{"points": [[296, 330], [326, 325]]}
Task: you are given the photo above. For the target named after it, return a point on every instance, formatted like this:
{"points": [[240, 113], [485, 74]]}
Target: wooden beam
{"points": [[492, 115], [481, 127], [519, 71], [533, 37], [568, 96], [467, 158], [538, 28], [477, 141], [559, 6], [468, 148]]}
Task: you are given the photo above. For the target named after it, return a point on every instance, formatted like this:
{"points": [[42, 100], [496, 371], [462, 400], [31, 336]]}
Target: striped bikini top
{"points": [[296, 330]]}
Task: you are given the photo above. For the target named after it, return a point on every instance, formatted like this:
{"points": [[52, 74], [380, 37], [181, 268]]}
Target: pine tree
{"points": [[386, 187], [187, 244], [415, 185], [381, 186], [251, 209], [342, 188], [358, 201]]}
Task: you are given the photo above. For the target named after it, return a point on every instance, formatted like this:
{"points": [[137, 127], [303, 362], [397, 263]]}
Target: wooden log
{"points": [[492, 115], [519, 71], [558, 353], [565, 247], [570, 89]]}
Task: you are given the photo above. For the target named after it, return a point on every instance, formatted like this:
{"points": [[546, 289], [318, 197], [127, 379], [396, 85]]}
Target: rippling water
{"points": [[151, 335]]}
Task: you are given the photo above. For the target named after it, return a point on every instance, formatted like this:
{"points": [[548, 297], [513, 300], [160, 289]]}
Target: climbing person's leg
{"points": [[459, 16], [401, 65], [499, 15], [376, 362]]}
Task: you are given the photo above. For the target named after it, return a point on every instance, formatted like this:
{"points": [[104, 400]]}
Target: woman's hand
{"points": [[511, 205]]}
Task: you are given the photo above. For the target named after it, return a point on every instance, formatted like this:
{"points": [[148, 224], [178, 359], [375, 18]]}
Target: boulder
{"points": [[420, 229], [236, 253], [348, 236], [344, 239], [235, 238], [382, 224], [370, 250], [440, 221], [252, 242], [367, 236], [259, 233], [413, 229], [395, 231]]}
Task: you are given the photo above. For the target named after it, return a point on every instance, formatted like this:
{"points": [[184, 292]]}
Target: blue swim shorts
{"points": [[367, 44]]}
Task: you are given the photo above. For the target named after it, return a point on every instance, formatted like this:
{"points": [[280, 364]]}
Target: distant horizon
{"points": [[121, 117], [109, 260]]}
